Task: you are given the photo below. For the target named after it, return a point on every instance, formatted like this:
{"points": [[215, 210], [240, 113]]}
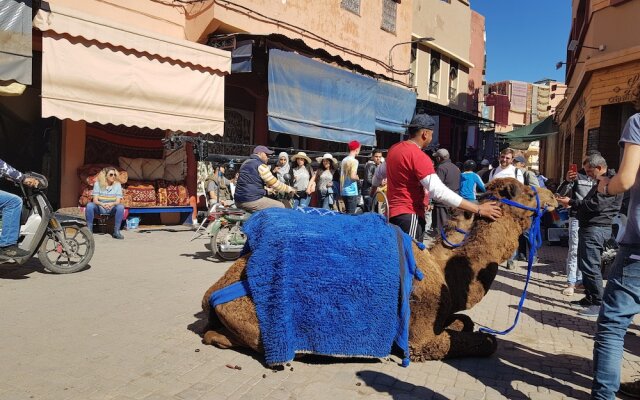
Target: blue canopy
{"points": [[313, 99], [394, 107]]}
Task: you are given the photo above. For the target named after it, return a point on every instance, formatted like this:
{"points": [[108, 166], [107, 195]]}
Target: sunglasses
{"points": [[111, 174]]}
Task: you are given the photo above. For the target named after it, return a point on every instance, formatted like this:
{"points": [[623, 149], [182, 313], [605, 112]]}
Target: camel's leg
{"points": [[451, 344], [460, 323], [221, 338]]}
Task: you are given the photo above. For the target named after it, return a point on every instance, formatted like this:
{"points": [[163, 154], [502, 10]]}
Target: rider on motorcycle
{"points": [[254, 175], [11, 209]]}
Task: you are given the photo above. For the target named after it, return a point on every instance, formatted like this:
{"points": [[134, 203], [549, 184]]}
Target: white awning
{"points": [[99, 71]]}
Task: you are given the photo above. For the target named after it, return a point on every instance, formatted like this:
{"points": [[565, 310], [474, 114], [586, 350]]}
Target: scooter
{"points": [[225, 230], [63, 243]]}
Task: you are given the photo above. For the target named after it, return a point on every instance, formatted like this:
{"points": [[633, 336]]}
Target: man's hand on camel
{"points": [[33, 182], [490, 210]]}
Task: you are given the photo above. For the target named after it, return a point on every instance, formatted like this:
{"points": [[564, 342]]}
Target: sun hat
{"points": [[301, 154], [262, 149], [327, 156], [354, 144], [423, 121]]}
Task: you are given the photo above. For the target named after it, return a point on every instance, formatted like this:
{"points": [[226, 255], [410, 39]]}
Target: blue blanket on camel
{"points": [[328, 285]]}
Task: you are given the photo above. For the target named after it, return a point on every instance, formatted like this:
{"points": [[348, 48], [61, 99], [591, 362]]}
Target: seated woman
{"points": [[107, 200], [218, 187]]}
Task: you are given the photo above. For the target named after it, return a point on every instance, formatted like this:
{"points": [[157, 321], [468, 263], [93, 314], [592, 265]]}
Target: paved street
{"points": [[124, 329]]}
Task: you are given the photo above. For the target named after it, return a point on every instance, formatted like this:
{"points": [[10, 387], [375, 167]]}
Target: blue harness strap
{"points": [[229, 293], [535, 242], [444, 237]]}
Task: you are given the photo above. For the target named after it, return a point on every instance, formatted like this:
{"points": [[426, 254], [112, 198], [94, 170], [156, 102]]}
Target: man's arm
{"points": [[440, 192], [479, 183], [627, 174], [272, 182], [7, 171]]}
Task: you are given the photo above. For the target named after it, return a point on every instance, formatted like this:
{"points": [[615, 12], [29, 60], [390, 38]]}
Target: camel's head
{"points": [[510, 188]]}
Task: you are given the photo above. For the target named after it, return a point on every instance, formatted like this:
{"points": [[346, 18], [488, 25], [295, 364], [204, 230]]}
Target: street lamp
{"points": [[573, 45], [420, 40], [559, 64]]}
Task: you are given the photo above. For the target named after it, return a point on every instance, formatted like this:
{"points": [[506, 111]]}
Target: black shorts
{"points": [[411, 224]]}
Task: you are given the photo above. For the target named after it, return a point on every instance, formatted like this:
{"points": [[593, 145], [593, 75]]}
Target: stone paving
{"points": [[124, 329]]}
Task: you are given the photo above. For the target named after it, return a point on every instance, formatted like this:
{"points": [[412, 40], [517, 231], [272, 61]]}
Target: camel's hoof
{"points": [[489, 346]]}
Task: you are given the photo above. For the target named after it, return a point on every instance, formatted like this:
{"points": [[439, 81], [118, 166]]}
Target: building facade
{"points": [[445, 77], [602, 70]]}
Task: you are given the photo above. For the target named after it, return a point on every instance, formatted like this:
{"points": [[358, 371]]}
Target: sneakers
{"points": [[117, 235], [569, 290], [584, 302], [13, 251], [631, 389], [591, 311]]}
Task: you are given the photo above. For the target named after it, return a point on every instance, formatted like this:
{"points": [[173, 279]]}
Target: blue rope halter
{"points": [[535, 242], [444, 237]]}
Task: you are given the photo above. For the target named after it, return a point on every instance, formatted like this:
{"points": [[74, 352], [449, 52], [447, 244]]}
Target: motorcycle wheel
{"points": [[55, 259], [222, 237]]}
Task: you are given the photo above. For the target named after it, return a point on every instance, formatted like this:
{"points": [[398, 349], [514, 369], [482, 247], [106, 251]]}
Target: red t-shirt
{"points": [[407, 165]]}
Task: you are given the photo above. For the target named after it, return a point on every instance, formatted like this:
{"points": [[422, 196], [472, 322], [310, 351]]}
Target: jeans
{"points": [[302, 200], [350, 204], [573, 273], [621, 301], [590, 247], [325, 198], [11, 208], [92, 209]]}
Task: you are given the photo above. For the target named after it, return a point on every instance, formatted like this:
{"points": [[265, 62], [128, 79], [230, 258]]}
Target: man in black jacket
{"points": [[449, 174], [575, 186], [369, 171], [594, 213]]}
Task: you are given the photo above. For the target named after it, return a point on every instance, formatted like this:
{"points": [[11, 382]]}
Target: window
{"points": [[414, 56], [389, 12], [434, 76], [453, 80], [351, 5]]}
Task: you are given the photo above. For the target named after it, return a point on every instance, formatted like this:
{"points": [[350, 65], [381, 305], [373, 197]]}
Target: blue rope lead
{"points": [[535, 242], [444, 237]]}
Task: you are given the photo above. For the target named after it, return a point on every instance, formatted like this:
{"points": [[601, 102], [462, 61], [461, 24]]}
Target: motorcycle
{"points": [[225, 231], [63, 243]]}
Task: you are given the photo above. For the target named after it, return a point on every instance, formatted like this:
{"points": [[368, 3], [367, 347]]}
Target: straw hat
{"points": [[301, 154], [327, 156]]}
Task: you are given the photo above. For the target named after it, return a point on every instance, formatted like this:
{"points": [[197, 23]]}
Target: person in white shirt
{"points": [[506, 169]]}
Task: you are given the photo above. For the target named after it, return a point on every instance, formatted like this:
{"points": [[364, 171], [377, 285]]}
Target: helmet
{"points": [[469, 165]]}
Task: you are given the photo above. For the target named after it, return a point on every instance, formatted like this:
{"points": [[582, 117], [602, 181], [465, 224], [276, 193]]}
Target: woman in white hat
{"points": [[325, 178], [302, 175]]}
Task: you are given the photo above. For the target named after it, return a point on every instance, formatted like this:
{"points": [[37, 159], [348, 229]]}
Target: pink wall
{"points": [[476, 56]]}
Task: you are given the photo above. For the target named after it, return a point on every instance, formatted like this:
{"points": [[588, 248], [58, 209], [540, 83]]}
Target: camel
{"points": [[455, 279]]}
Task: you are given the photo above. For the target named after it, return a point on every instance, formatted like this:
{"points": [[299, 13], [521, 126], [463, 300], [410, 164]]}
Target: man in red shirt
{"points": [[410, 171]]}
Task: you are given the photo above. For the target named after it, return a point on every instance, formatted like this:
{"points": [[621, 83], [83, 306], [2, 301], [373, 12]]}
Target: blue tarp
{"points": [[241, 57], [394, 107], [313, 99]]}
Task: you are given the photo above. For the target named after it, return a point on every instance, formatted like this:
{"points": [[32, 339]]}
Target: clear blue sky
{"points": [[525, 38]]}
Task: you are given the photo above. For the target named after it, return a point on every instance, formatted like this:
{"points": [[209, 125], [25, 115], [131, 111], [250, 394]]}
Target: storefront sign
{"points": [[626, 92]]}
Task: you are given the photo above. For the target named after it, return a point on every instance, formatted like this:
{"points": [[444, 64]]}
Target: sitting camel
{"points": [[455, 279]]}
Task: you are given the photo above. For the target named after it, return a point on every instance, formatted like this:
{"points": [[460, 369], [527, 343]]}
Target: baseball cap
{"points": [[520, 159], [485, 162], [422, 121], [354, 144], [262, 149], [444, 153]]}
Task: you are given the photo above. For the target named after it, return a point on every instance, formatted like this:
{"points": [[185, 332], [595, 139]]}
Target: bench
{"points": [[185, 211]]}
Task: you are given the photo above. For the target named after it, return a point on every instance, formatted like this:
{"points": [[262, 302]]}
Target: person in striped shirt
{"points": [[107, 199], [250, 194]]}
